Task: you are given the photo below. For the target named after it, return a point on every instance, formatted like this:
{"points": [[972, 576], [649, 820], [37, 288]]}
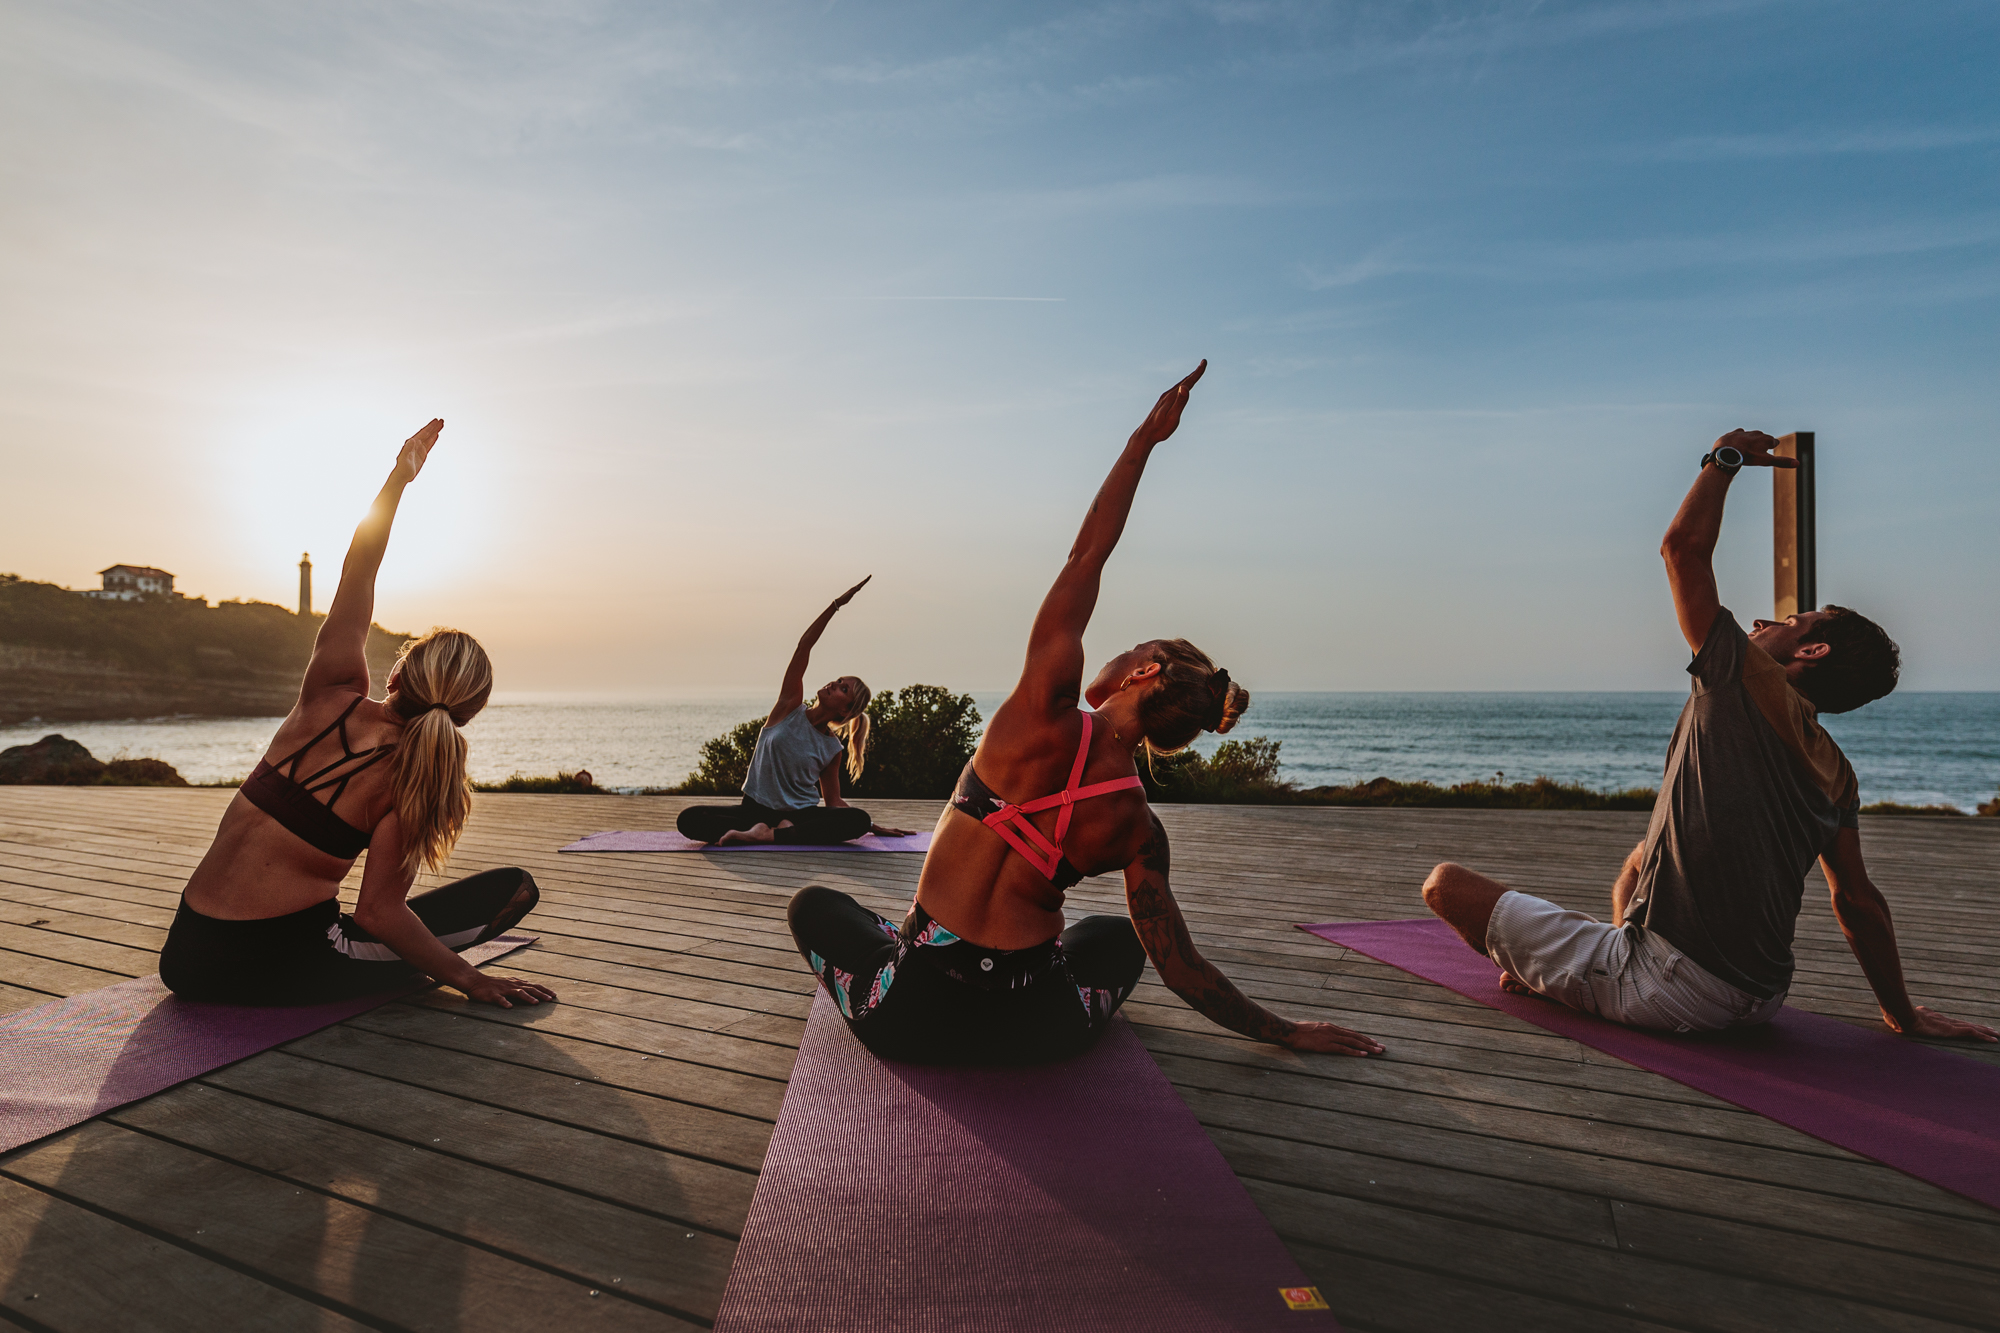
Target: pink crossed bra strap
{"points": [[1044, 855]]}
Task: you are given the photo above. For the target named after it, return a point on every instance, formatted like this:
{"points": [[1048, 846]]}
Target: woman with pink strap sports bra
{"points": [[983, 970]]}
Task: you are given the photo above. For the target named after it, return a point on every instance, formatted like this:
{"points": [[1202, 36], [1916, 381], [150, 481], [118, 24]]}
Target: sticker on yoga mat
{"points": [[1303, 1298]]}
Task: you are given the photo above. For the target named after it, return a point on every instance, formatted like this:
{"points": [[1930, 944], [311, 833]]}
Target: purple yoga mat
{"points": [[66, 1061], [674, 842], [1076, 1196], [1930, 1113]]}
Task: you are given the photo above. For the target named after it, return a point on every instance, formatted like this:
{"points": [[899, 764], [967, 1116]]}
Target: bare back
{"points": [[974, 883], [257, 868]]}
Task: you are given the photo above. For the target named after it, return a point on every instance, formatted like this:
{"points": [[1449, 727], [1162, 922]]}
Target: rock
{"points": [[141, 773], [60, 761], [52, 759]]}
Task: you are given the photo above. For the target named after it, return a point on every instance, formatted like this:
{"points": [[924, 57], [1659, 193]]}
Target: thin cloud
{"points": [[1810, 143]]}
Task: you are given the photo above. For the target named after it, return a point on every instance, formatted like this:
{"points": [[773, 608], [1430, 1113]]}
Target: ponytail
{"points": [[854, 731], [444, 681]]}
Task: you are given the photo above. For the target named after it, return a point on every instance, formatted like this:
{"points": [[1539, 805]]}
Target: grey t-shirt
{"points": [[791, 753], [1754, 792]]}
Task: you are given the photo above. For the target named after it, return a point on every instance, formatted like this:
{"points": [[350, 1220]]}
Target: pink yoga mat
{"points": [[66, 1061], [1076, 1196], [674, 842], [1930, 1113]]}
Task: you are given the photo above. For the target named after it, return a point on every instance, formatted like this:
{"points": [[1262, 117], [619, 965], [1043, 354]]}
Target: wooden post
{"points": [[1795, 538]]}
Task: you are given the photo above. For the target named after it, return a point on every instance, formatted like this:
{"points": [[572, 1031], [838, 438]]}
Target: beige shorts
{"points": [[1629, 976]]}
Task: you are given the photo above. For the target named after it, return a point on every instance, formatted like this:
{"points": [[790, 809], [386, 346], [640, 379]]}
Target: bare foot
{"points": [[736, 837], [1513, 985]]}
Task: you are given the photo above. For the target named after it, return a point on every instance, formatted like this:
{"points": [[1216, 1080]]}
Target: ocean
{"points": [[1914, 748]]}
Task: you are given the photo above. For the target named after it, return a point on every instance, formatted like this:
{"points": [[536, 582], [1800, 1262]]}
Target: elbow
{"points": [[372, 918]]}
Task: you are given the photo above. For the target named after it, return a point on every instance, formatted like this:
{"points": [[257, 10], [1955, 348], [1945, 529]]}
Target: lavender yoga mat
{"points": [[1076, 1196], [1930, 1113], [674, 842], [66, 1061]]}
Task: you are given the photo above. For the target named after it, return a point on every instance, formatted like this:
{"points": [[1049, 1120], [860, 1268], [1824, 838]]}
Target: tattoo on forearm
{"points": [[1165, 934]]}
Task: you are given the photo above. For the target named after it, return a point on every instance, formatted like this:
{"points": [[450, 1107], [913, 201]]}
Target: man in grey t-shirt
{"points": [[1754, 792]]}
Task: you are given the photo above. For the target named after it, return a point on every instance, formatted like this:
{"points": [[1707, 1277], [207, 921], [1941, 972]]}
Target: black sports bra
{"points": [[294, 804]]}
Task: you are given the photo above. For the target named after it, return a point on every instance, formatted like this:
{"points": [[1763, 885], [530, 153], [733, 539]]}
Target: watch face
{"points": [[1729, 458]]}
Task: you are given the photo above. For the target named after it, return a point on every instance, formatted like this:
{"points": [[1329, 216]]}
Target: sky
{"points": [[728, 305]]}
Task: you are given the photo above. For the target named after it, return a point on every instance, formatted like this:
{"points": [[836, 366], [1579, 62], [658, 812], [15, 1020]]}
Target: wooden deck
{"points": [[435, 1165]]}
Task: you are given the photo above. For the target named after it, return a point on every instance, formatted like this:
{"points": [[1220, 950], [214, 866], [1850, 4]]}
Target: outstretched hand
{"points": [[506, 991], [415, 450], [1329, 1038], [848, 596], [1756, 447], [1165, 418], [1931, 1023]]}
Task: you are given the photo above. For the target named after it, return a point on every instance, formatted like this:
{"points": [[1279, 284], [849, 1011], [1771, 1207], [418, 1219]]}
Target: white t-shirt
{"points": [[791, 753]]}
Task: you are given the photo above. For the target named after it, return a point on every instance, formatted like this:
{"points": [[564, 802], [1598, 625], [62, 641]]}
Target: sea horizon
{"points": [[1938, 747]]}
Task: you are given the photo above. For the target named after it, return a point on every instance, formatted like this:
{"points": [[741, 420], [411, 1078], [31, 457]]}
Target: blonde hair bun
{"points": [[1233, 707]]}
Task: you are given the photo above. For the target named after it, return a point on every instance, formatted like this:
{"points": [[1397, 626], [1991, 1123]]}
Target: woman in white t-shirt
{"points": [[797, 763]]}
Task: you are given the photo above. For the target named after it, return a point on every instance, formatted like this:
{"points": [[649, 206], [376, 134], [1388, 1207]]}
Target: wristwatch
{"points": [[1727, 458]]}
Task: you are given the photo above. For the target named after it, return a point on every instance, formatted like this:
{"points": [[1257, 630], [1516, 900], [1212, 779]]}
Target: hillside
{"points": [[69, 658]]}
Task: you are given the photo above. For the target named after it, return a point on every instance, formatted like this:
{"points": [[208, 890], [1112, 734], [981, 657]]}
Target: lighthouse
{"points": [[305, 583]]}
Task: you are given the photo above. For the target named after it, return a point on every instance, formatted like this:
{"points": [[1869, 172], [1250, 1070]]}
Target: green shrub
{"points": [[725, 762], [919, 739], [1897, 809], [1238, 773], [1541, 794]]}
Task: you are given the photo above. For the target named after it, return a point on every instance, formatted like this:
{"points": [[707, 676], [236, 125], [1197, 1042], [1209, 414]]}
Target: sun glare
{"points": [[301, 469]]}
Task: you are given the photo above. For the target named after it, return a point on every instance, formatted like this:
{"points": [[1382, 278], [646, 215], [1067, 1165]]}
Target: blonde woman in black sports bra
{"points": [[260, 920], [982, 970]]}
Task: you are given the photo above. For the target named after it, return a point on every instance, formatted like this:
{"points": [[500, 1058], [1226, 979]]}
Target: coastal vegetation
{"points": [[562, 784], [66, 657], [923, 735], [1246, 773], [919, 738]]}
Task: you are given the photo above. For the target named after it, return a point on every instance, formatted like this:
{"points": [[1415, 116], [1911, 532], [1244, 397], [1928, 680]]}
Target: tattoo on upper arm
{"points": [[1164, 932]]}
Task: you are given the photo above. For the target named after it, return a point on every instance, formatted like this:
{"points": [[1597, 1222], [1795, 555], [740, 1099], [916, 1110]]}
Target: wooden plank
{"points": [[432, 1184], [1482, 1159], [364, 1257], [67, 1268]]}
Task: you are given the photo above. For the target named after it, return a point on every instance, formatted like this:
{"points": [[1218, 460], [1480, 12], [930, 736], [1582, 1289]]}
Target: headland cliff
{"points": [[66, 658]]}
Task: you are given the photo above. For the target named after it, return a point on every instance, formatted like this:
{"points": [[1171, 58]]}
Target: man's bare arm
{"points": [[1162, 929], [1689, 546], [1863, 914]]}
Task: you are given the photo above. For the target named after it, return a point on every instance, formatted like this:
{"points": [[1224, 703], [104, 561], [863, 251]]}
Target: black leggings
{"points": [[818, 825], [318, 953], [924, 995]]}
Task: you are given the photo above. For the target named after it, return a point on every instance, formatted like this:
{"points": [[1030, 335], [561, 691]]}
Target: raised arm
{"points": [[340, 659], [792, 692], [1864, 918], [1053, 675], [1164, 932], [1689, 546]]}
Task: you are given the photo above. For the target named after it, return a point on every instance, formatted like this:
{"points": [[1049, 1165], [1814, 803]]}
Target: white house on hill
{"points": [[129, 583]]}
